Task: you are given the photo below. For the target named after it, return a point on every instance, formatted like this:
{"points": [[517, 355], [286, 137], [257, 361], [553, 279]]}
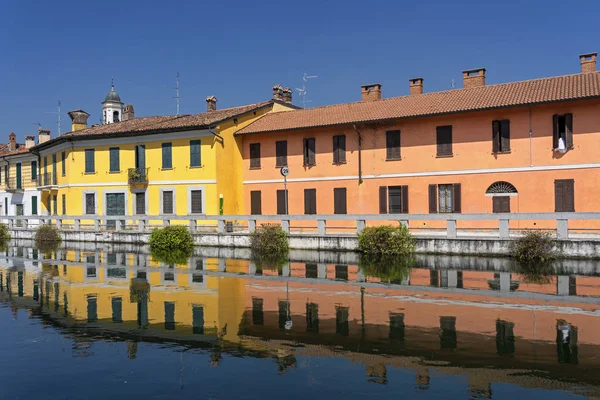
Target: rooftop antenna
{"points": [[57, 113], [452, 83], [177, 94], [302, 91]]}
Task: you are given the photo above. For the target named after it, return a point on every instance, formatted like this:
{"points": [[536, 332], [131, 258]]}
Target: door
{"points": [[19, 213], [115, 205], [19, 180]]}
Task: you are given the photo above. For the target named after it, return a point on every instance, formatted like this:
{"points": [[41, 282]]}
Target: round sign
{"points": [[285, 171]]}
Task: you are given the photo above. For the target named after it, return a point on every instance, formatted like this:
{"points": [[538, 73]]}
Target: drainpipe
{"points": [[530, 140], [360, 179]]}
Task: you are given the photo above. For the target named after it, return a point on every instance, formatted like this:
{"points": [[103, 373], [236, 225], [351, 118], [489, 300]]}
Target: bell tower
{"points": [[112, 107]]}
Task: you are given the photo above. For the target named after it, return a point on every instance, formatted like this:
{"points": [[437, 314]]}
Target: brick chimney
{"points": [[371, 92], [474, 77], [278, 92], [211, 103], [128, 112], [29, 141], [287, 95], [43, 135], [588, 62], [12, 142], [416, 86], [79, 120]]}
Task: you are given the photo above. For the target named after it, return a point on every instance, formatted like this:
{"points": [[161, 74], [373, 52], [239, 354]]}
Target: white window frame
{"points": [[189, 200]]}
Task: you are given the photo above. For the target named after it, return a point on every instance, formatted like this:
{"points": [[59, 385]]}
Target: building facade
{"points": [[517, 147]]}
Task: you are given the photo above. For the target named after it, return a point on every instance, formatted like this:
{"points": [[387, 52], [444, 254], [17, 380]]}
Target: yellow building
{"points": [[161, 165]]}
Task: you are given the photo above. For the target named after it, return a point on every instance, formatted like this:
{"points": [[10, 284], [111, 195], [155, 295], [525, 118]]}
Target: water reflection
{"points": [[431, 317]]}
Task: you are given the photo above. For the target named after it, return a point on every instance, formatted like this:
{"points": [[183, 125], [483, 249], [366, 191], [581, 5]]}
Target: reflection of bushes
{"points": [[171, 257], [386, 240], [269, 246], [269, 261], [534, 247], [171, 245], [539, 273], [139, 289], [387, 268], [4, 233]]}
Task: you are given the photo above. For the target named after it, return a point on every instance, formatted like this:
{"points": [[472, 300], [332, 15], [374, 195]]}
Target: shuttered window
{"points": [[90, 203], [254, 155], [562, 129], [501, 136], [339, 201], [501, 204], [309, 151], [393, 199], [339, 149], [564, 195], [115, 164], [64, 163], [55, 205], [140, 203], [444, 140], [64, 204], [445, 198], [392, 145], [255, 202], [281, 202], [34, 170], [195, 153], [167, 156], [281, 153], [196, 200], [90, 167], [167, 200], [310, 201], [34, 205]]}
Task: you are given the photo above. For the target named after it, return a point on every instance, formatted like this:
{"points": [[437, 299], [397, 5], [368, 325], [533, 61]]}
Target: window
{"points": [[64, 204], [339, 149], [114, 159], [89, 161], [562, 129], [115, 116], [167, 198], [281, 153], [196, 201], [393, 199], [564, 195], [501, 204], [33, 170], [254, 155], [195, 153], [444, 140], [34, 205], [255, 202], [309, 151], [282, 200], [90, 203], [140, 203], [258, 317], [310, 201], [339, 201], [64, 163], [501, 136], [54, 168], [1, 175], [392, 145], [167, 156], [55, 205], [445, 198], [6, 174]]}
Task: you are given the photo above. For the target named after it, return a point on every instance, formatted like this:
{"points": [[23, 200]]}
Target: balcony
{"points": [[47, 181], [137, 176], [13, 184]]}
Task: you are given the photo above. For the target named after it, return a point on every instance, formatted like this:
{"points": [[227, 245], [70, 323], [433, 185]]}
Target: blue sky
{"points": [[237, 50]]}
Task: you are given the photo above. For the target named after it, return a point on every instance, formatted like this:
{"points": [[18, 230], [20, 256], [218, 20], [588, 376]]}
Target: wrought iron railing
{"points": [[136, 176], [46, 179]]}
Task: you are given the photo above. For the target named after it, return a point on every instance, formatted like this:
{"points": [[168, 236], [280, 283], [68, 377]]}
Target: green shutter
{"points": [[89, 161], [34, 207], [167, 160], [114, 159], [194, 153], [33, 170], [64, 164]]}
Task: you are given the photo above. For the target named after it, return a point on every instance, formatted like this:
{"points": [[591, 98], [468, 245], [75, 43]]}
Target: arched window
{"points": [[116, 116], [501, 192], [501, 187]]}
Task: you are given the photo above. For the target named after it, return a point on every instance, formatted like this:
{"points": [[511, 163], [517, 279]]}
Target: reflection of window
{"points": [[116, 273], [169, 276], [117, 309], [505, 337], [312, 317], [91, 272], [169, 315], [342, 326], [396, 326], [198, 319], [92, 308], [312, 271], [257, 311], [566, 343], [341, 272], [284, 313], [448, 333]]}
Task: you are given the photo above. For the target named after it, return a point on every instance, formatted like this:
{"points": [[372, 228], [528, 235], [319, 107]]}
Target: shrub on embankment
{"points": [[47, 238], [532, 248], [386, 240], [269, 245], [171, 244]]}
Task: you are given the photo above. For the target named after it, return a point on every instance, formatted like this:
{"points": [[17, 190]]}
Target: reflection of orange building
{"points": [[470, 150]]}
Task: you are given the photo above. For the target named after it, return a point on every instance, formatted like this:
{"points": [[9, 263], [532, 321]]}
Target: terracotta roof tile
{"points": [[559, 88], [4, 151]]}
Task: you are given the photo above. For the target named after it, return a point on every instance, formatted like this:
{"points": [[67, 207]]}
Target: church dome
{"points": [[112, 96]]}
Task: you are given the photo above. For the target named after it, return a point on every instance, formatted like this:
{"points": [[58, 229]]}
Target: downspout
{"points": [[360, 179], [530, 140]]}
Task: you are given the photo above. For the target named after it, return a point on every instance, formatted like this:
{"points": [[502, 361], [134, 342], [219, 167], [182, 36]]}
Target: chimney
{"points": [[416, 86], [287, 95], [474, 78], [43, 135], [588, 62], [211, 103], [79, 120], [12, 142], [29, 141], [371, 92], [278, 93], [128, 112]]}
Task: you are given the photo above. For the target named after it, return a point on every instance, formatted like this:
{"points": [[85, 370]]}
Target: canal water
{"points": [[111, 322]]}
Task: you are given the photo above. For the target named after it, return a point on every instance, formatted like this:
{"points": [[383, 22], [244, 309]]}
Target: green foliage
{"points": [[386, 240], [47, 238], [171, 245], [270, 247], [4, 233], [388, 268], [533, 248]]}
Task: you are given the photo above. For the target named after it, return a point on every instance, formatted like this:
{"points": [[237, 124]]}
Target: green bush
{"points": [[47, 238], [270, 247], [4, 233], [532, 248], [171, 245], [386, 240]]}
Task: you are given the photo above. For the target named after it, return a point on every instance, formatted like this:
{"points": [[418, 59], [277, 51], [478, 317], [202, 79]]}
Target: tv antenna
{"points": [[57, 113], [302, 91], [177, 93], [452, 83]]}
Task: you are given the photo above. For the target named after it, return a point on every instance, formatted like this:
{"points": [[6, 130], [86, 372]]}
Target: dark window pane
{"points": [[117, 309], [169, 315], [255, 202], [392, 144], [254, 155], [312, 271], [342, 326], [444, 140], [167, 160], [114, 159], [167, 202], [195, 153], [89, 161], [281, 153], [198, 319], [258, 317], [196, 201], [312, 317], [140, 203], [339, 201], [90, 203], [395, 199]]}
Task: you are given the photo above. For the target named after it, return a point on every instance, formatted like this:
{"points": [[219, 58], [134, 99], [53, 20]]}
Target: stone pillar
{"points": [[220, 226], [222, 265], [451, 229], [503, 227], [360, 225], [286, 270], [562, 229], [251, 225], [251, 268], [192, 226], [285, 225], [321, 227]]}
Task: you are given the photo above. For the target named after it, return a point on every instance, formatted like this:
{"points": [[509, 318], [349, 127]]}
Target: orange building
{"points": [[528, 146]]}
